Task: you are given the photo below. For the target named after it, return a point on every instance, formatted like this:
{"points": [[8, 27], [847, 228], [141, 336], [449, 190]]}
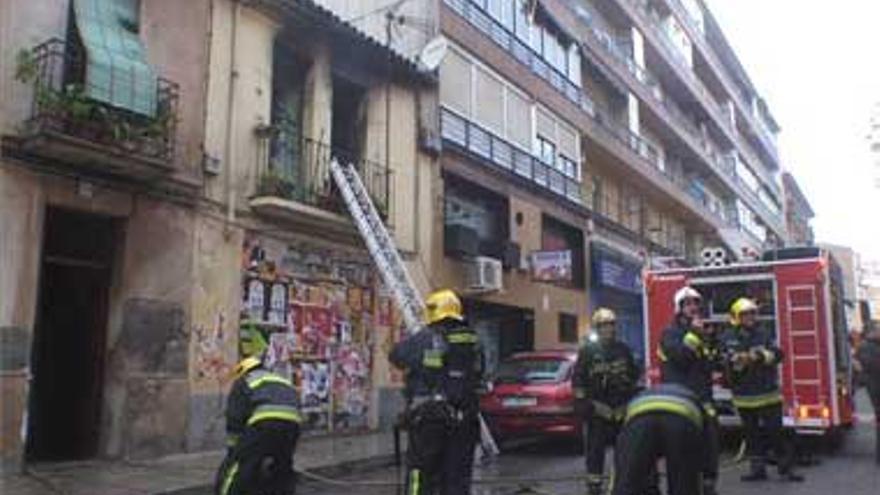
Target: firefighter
{"points": [[444, 368], [689, 355], [262, 425], [752, 361], [604, 380], [666, 421], [868, 365]]}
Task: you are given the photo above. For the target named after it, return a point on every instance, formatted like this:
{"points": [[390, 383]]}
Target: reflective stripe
{"points": [[665, 403], [769, 356], [693, 341], [231, 440], [462, 338], [260, 377], [756, 401], [283, 413], [661, 355], [710, 410], [415, 481], [227, 481], [432, 358]]}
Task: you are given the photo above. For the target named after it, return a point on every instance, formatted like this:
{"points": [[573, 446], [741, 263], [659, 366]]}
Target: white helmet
{"points": [[686, 292]]}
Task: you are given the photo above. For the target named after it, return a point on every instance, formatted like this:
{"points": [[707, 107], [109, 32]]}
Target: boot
{"points": [[757, 471], [791, 477]]}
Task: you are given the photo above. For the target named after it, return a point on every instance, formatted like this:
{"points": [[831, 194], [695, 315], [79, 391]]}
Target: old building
{"points": [[798, 213], [165, 187]]}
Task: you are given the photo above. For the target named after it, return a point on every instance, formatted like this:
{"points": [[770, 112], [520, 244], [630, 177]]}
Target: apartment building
{"points": [[798, 212], [166, 197]]}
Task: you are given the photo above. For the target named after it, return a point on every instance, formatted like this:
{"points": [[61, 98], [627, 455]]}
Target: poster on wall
{"points": [[551, 266]]}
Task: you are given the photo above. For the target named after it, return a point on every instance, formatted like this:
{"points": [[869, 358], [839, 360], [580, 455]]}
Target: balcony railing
{"points": [[62, 106], [739, 94], [499, 153], [299, 170], [526, 55]]}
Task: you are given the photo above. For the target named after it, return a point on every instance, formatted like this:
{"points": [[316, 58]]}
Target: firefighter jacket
{"points": [[688, 358], [259, 395], [868, 355], [605, 378], [442, 361], [668, 398], [754, 383]]}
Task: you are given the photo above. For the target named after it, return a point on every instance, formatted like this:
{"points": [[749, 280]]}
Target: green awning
{"points": [[117, 71]]}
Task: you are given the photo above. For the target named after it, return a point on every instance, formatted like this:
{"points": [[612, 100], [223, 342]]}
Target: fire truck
{"points": [[800, 295]]}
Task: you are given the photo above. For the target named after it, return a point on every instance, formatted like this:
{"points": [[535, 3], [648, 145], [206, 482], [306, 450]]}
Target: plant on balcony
{"points": [[69, 109], [275, 184]]}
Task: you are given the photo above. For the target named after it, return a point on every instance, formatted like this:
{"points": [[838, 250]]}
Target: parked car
{"points": [[531, 396]]}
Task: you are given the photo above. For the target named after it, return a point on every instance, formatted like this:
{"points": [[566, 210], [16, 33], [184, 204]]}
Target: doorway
{"points": [[68, 352], [503, 330]]}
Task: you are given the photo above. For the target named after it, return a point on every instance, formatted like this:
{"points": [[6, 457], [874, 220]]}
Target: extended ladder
{"points": [[379, 243], [384, 253]]}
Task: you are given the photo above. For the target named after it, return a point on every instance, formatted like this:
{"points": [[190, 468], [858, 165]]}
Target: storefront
{"points": [[617, 284], [321, 315]]}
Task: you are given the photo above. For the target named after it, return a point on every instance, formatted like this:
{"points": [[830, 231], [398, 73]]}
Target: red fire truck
{"points": [[800, 294]]}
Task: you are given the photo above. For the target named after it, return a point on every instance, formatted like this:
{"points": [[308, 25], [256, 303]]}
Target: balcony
{"points": [[742, 99], [507, 40], [68, 127], [468, 137], [296, 185]]}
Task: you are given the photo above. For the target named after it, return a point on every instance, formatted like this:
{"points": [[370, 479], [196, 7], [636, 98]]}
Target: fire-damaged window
{"points": [[568, 332], [475, 221], [557, 236]]}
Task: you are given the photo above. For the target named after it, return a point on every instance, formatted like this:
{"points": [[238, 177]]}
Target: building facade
{"points": [[798, 213], [166, 194]]}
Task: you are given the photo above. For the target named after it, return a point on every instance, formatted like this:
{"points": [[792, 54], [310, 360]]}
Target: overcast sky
{"points": [[817, 63]]}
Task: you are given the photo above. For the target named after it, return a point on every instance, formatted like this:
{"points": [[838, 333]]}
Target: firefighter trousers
{"points": [[600, 433], [262, 461], [764, 432], [874, 394], [649, 437], [440, 453], [712, 439]]}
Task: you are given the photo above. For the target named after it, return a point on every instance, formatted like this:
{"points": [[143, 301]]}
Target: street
{"points": [[850, 469]]}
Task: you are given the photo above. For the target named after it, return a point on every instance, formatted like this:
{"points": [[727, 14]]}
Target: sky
{"points": [[817, 65]]}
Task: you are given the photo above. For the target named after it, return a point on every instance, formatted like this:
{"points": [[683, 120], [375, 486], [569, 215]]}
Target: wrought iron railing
{"points": [[525, 54], [62, 104], [497, 152], [298, 169]]}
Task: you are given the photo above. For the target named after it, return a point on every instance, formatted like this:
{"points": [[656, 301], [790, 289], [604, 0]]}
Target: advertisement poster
{"points": [[551, 266]]}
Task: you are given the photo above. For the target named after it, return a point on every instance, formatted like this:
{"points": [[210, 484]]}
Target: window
{"points": [[489, 101], [476, 220], [568, 167], [522, 28], [559, 236], [574, 65], [632, 212], [546, 151], [568, 332], [518, 119], [455, 82]]}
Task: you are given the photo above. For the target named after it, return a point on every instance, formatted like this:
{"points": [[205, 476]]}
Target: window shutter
{"points": [[489, 101], [455, 83]]}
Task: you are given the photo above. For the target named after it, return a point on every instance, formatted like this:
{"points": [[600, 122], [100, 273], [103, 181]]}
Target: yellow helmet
{"points": [[245, 365], [740, 306], [603, 316], [442, 305]]}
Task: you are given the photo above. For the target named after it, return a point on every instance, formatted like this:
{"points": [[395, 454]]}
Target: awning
{"points": [[116, 70]]}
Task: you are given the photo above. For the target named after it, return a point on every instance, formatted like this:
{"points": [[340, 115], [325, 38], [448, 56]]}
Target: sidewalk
{"points": [[178, 472]]}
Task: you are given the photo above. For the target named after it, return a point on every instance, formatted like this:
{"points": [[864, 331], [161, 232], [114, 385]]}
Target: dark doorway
{"points": [[503, 330], [68, 351]]}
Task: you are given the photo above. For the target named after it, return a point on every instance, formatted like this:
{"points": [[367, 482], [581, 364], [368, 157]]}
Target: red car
{"points": [[531, 396]]}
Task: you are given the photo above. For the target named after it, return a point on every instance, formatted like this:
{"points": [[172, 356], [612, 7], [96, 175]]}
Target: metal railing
{"points": [[497, 152], [299, 170], [525, 54], [738, 93], [62, 104]]}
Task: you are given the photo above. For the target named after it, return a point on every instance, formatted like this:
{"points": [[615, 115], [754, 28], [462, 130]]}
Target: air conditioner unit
{"points": [[484, 274]]}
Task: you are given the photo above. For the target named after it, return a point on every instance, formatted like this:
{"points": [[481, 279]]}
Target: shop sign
{"points": [[551, 266]]}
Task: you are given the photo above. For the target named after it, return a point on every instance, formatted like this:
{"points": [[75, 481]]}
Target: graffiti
{"points": [[210, 362]]}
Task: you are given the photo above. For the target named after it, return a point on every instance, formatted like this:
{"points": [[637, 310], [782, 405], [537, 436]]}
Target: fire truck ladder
{"points": [[804, 341], [384, 253], [379, 243]]}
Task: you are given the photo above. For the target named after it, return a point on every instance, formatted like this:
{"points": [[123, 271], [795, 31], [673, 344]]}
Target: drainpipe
{"points": [[230, 117]]}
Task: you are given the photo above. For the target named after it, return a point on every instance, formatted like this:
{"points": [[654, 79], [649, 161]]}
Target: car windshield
{"points": [[533, 371]]}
